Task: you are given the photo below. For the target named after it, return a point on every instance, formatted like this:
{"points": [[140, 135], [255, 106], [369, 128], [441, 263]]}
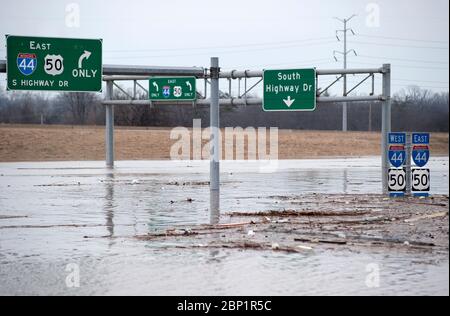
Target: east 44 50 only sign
{"points": [[289, 90], [53, 64], [172, 89]]}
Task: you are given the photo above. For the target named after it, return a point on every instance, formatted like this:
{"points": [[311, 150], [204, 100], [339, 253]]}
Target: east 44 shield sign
{"points": [[421, 155], [53, 64]]}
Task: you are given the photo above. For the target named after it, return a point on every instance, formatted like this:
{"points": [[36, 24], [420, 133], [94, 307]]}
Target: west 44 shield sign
{"points": [[289, 90], [397, 155], [397, 150], [53, 64]]}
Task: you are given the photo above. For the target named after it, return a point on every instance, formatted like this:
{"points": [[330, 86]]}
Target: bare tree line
{"points": [[412, 109]]}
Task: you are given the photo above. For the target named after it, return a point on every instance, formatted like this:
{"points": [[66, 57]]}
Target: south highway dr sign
{"points": [[289, 90]]}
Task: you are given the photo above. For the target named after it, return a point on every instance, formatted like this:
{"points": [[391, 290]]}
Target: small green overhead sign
{"points": [[172, 89]]}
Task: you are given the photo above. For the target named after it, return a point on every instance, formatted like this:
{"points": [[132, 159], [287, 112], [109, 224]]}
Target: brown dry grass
{"points": [[54, 143]]}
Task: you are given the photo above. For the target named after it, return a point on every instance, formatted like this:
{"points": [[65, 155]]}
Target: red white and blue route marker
{"points": [[397, 158], [420, 175]]}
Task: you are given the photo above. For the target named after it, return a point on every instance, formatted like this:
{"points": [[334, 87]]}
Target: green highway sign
{"points": [[54, 64], [172, 89], [289, 90]]}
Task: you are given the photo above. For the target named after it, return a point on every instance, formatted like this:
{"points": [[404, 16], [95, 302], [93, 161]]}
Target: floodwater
{"points": [[48, 208]]}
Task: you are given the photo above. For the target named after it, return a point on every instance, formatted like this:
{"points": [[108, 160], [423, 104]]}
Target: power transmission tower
{"points": [[345, 52]]}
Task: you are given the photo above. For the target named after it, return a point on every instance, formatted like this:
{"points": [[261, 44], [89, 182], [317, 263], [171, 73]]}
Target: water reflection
{"points": [[345, 186], [120, 264], [109, 204], [214, 207]]}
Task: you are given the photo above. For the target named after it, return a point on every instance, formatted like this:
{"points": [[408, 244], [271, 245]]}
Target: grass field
{"points": [[59, 143]]}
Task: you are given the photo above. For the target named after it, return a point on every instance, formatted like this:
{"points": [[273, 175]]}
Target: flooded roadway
{"points": [[48, 209]]}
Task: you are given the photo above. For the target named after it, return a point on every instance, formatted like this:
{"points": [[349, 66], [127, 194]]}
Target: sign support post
{"points": [[215, 143], [385, 126], [109, 121], [408, 148]]}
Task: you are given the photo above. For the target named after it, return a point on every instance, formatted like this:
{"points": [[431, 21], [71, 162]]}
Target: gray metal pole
{"points": [[408, 163], [109, 133], [385, 126], [250, 101], [214, 142], [344, 105]]}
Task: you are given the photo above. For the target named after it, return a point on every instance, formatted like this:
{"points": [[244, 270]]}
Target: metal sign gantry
{"points": [[211, 76], [113, 74]]}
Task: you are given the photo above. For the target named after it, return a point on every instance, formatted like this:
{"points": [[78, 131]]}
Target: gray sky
{"points": [[412, 35]]}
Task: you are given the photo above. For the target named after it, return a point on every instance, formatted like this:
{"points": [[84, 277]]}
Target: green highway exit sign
{"points": [[172, 89], [289, 90], [53, 64]]}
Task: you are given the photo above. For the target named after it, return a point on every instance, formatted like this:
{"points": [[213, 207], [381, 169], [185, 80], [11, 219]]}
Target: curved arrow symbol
{"points": [[85, 55], [189, 85], [156, 86], [289, 101]]}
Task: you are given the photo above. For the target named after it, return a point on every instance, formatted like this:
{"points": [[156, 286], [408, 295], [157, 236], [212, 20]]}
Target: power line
{"points": [[398, 84], [420, 86], [399, 45], [408, 80], [407, 66], [403, 59], [291, 63], [428, 81], [317, 40], [222, 47], [222, 53], [367, 84], [403, 39], [345, 52]]}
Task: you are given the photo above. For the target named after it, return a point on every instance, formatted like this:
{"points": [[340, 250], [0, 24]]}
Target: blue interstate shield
{"points": [[26, 63], [166, 91], [421, 155], [397, 156]]}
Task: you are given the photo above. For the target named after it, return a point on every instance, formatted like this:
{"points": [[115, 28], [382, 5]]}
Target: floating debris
{"points": [[429, 216], [293, 213], [194, 183], [366, 222], [304, 247]]}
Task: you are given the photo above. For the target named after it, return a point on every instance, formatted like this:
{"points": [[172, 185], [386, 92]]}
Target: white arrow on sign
{"points": [[85, 55], [189, 85], [289, 101], [156, 86]]}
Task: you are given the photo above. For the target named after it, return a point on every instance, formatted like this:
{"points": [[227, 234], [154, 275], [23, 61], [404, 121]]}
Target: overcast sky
{"points": [[412, 35]]}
